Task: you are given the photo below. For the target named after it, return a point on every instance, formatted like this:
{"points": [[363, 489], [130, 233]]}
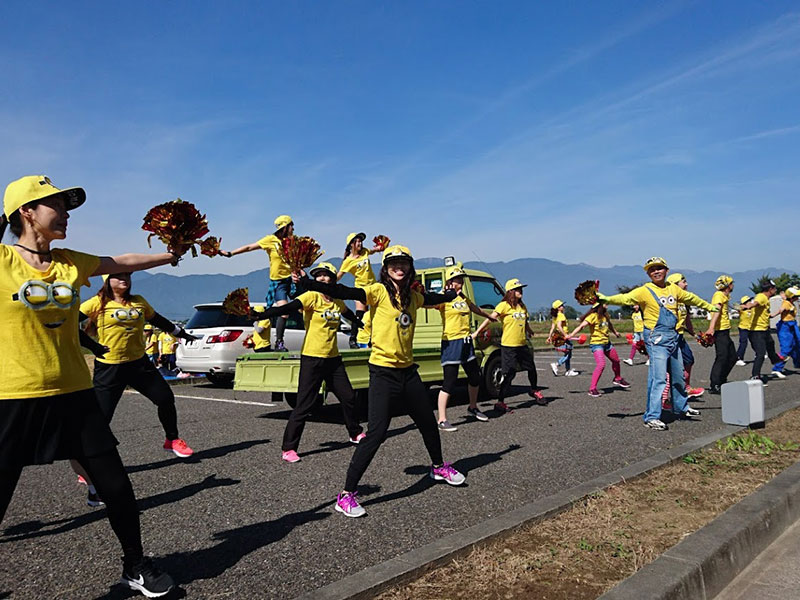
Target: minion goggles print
{"points": [[37, 295]]}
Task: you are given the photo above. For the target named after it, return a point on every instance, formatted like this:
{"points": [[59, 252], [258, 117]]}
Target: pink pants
{"points": [[687, 373], [600, 364]]}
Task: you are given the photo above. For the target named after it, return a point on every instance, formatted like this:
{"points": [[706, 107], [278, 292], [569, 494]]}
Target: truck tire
{"points": [[218, 379], [491, 375]]}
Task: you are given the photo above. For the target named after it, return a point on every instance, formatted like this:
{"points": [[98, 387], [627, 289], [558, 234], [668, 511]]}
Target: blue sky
{"points": [[596, 132]]}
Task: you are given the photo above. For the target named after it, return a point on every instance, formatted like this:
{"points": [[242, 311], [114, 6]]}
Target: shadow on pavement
{"points": [[197, 457], [33, 529]]}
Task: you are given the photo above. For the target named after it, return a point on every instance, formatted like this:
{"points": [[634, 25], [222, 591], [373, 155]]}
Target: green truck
{"points": [[278, 372]]}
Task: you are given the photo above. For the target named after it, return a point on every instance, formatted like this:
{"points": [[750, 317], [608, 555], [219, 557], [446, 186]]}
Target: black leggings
{"points": [[113, 486], [389, 388], [725, 358], [510, 357], [313, 371], [744, 338], [762, 343], [110, 382], [451, 375]]}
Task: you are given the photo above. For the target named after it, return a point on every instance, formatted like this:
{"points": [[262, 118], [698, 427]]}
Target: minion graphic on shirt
{"points": [[47, 300]]}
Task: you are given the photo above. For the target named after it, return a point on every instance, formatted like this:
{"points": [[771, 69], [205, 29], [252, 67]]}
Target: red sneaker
{"points": [[178, 447], [666, 405], [81, 480], [694, 392], [538, 396]]}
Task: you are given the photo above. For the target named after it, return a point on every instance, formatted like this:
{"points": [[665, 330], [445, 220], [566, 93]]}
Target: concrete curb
{"points": [[411, 565]]}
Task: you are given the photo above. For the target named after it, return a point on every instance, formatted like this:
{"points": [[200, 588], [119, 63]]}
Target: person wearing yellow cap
{"points": [[720, 328], [760, 337], [119, 317], [48, 408], [151, 344], [659, 300], [319, 359], [638, 332], [786, 327], [262, 331], [458, 348], [559, 324], [356, 262], [684, 325], [514, 349], [281, 288], [745, 322], [600, 344], [393, 378]]}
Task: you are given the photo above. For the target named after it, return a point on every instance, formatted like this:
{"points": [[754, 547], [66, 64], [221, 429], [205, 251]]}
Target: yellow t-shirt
{"points": [[745, 318], [365, 332], [789, 311], [761, 313], [724, 321], [599, 327], [638, 322], [120, 327], [151, 338], [322, 318], [514, 321], [683, 314], [39, 333], [166, 343], [455, 316], [392, 330], [559, 318], [278, 268], [262, 340], [669, 296], [360, 268]]}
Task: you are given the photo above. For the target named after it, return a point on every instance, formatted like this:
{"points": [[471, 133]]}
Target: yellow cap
{"points": [[792, 292], [745, 300], [36, 187], [323, 266], [513, 284], [453, 272], [557, 303], [148, 327], [723, 281], [282, 222], [655, 261], [675, 278], [354, 235], [397, 251], [259, 309]]}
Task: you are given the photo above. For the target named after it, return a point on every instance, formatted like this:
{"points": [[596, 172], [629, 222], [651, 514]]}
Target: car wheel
{"points": [[219, 379], [492, 376]]}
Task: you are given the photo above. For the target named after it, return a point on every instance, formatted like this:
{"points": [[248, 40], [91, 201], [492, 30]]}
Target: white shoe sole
{"points": [[176, 453], [447, 481], [351, 515], [143, 590]]}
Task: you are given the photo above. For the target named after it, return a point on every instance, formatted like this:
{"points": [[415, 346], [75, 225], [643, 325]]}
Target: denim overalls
{"points": [[662, 346], [789, 340]]}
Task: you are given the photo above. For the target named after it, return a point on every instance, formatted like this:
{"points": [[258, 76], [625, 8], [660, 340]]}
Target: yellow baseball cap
{"points": [[513, 284], [37, 187], [148, 327], [354, 235], [675, 278], [655, 261], [282, 222], [397, 251], [453, 272], [259, 309], [792, 292], [723, 281], [745, 300], [323, 266], [557, 303]]}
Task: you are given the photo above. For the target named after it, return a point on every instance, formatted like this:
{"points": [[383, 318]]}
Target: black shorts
{"points": [[38, 431]]}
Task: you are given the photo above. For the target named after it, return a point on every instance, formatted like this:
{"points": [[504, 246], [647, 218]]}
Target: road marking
{"points": [[214, 399]]}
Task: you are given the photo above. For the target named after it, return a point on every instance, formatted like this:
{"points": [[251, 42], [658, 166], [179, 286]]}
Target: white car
{"points": [[220, 341]]}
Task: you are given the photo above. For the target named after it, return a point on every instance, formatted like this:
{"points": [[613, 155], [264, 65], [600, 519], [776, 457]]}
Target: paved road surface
{"points": [[236, 522]]}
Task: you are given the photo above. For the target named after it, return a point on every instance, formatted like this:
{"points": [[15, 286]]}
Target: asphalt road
{"points": [[236, 522]]}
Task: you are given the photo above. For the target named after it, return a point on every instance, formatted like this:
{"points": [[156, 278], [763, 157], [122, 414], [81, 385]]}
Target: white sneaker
{"points": [[778, 374], [648, 362], [741, 363], [656, 424], [554, 368], [572, 373], [628, 361], [691, 412]]}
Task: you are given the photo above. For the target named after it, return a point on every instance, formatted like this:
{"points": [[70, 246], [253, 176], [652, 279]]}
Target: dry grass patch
{"points": [[601, 540]]}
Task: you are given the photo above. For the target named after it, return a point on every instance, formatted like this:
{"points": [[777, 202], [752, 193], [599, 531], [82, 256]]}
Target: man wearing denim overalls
{"points": [[659, 301]]}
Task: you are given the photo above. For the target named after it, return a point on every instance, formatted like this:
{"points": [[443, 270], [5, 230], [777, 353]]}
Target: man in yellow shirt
{"points": [[760, 337], [659, 301], [788, 333], [745, 322], [720, 328]]}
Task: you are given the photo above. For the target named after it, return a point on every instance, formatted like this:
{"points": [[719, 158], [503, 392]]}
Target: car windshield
{"points": [[487, 293]]}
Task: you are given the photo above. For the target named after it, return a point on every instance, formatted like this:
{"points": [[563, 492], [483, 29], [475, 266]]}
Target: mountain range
{"points": [[174, 296]]}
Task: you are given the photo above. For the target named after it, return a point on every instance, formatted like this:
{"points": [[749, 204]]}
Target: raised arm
{"points": [[578, 329], [279, 311], [335, 290], [240, 250], [695, 300], [165, 324], [492, 317], [127, 263], [619, 299], [432, 299], [478, 310]]}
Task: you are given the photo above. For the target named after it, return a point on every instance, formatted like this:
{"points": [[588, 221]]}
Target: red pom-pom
{"points": [[178, 224], [381, 242], [237, 303]]}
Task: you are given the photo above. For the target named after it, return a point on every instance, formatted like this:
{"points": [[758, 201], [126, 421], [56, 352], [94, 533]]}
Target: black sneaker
{"points": [[94, 501], [146, 578], [353, 344], [714, 389]]}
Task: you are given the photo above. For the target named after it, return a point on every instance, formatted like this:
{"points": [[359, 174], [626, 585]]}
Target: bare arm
{"points": [[485, 324], [478, 310], [578, 329], [240, 250], [127, 263]]}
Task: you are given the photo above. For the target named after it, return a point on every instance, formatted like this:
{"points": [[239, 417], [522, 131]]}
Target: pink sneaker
{"points": [[347, 504], [538, 397], [358, 438], [694, 392], [447, 474], [81, 480], [290, 456], [620, 382], [178, 447], [595, 393]]}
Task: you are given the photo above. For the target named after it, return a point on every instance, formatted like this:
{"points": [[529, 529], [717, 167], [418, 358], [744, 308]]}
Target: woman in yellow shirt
{"points": [[319, 360], [281, 288], [558, 323], [120, 317], [720, 328], [745, 322], [788, 333], [393, 378], [514, 349], [151, 344], [760, 337], [458, 348], [638, 332], [356, 262], [600, 345], [48, 409]]}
